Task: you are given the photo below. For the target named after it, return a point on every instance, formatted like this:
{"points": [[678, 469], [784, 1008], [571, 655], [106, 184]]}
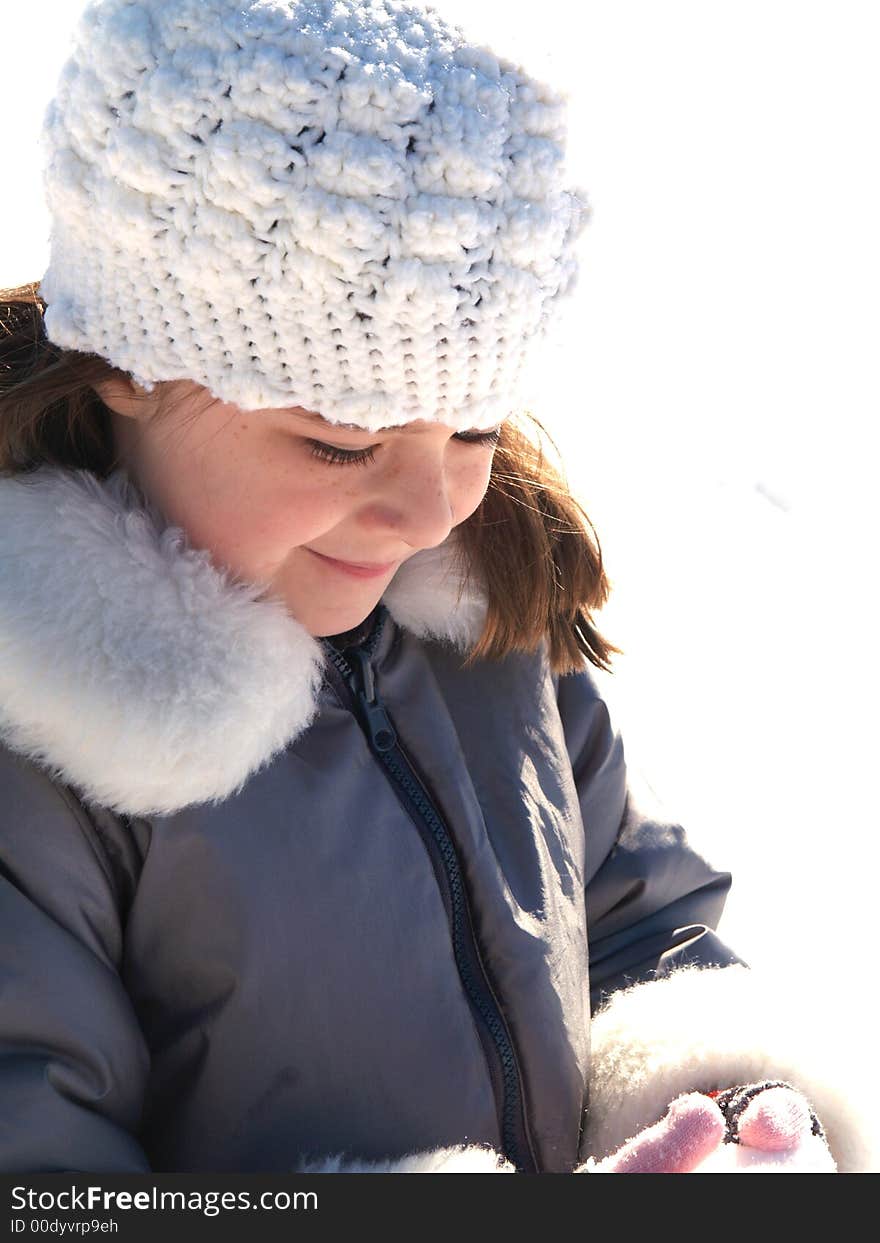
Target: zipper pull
{"points": [[375, 719]]}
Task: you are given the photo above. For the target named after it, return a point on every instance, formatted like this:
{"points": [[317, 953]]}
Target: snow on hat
{"points": [[338, 204]]}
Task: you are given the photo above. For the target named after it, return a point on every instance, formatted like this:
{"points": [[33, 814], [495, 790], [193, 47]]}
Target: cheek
{"points": [[470, 487], [255, 521], [283, 515]]}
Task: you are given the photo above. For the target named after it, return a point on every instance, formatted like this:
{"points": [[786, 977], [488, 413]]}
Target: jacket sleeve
{"points": [[74, 1061], [674, 1009], [652, 901]]}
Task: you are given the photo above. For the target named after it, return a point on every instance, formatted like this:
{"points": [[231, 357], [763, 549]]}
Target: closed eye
{"points": [[361, 457]]}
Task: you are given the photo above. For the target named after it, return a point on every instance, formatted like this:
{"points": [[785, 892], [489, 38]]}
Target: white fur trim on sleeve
{"points": [[701, 1028], [471, 1159]]}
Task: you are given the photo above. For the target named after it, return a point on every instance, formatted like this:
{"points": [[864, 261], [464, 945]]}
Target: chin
{"points": [[342, 622]]}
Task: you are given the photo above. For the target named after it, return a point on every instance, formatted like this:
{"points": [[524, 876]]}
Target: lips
{"points": [[363, 565], [362, 569]]}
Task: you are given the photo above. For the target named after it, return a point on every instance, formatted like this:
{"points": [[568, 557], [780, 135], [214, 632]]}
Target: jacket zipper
{"points": [[379, 728]]}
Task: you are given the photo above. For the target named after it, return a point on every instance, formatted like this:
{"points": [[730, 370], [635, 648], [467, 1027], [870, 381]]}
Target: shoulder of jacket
{"points": [[46, 829]]}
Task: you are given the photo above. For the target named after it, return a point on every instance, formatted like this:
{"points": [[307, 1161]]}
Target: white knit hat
{"points": [[336, 204]]}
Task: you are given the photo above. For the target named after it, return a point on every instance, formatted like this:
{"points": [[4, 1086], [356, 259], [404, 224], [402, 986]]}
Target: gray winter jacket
{"points": [[266, 902]]}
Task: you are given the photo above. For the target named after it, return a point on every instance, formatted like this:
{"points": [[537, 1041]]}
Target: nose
{"points": [[416, 505]]}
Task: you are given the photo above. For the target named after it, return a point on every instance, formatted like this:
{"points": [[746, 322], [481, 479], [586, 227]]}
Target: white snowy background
{"points": [[714, 393]]}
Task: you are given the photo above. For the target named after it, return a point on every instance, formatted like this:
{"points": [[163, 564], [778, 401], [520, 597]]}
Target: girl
{"points": [[318, 845]]}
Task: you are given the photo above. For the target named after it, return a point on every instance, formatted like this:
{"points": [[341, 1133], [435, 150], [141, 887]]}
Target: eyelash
{"points": [[361, 457]]}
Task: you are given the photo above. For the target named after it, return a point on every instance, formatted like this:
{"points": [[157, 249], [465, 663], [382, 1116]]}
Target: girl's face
{"points": [[257, 491]]}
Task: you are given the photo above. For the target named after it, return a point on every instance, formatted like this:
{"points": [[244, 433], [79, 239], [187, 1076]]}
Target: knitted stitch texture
{"points": [[338, 204]]}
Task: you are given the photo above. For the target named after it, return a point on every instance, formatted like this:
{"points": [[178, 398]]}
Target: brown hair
{"points": [[51, 413]]}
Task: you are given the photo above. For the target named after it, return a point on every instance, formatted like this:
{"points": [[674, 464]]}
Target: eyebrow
{"points": [[404, 428], [396, 427]]}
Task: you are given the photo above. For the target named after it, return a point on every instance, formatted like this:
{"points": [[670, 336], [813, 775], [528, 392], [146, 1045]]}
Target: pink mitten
{"points": [[692, 1129], [756, 1128], [770, 1129]]}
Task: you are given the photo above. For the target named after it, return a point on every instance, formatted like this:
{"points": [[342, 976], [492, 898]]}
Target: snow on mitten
{"points": [[769, 1129], [764, 1127]]}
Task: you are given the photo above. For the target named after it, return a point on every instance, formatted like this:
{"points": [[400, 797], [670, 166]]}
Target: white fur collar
{"points": [[135, 671]]}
